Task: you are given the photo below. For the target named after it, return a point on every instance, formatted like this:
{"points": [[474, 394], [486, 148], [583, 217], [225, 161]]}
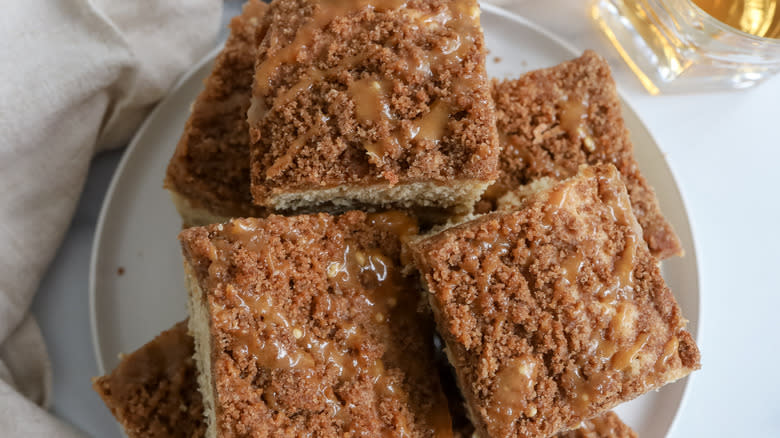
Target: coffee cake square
{"points": [[306, 325], [556, 312], [371, 102]]}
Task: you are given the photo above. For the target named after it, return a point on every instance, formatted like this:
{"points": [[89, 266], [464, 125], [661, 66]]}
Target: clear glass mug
{"points": [[675, 46]]}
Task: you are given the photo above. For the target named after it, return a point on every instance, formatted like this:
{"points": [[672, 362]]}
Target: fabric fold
{"points": [[78, 76]]}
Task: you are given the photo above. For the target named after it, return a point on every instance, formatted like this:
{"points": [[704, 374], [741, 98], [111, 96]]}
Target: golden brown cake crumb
{"points": [[557, 312], [553, 120], [209, 172], [306, 324], [382, 102], [152, 392]]}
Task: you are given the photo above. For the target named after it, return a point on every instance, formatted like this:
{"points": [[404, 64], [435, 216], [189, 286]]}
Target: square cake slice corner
{"points": [[554, 313], [306, 324], [208, 175], [551, 121], [152, 392], [383, 103]]}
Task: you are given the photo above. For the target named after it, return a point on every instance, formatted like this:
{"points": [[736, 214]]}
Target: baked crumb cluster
{"points": [[313, 327], [555, 312], [553, 120], [371, 101], [533, 311]]}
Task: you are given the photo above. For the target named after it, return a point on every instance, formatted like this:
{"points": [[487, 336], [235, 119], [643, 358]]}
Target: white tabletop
{"points": [[723, 149]]}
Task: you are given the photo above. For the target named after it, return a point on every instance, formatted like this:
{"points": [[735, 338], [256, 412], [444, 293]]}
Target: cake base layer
{"points": [[459, 198]]}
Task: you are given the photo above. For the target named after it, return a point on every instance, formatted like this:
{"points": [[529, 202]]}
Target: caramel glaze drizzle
{"points": [[401, 304], [573, 117], [400, 224], [614, 349], [669, 352], [396, 222], [615, 360], [514, 392], [370, 95], [619, 209], [432, 127], [365, 274], [325, 12], [368, 275]]}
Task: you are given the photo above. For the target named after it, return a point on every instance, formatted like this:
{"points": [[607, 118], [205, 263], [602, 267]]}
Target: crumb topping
{"points": [[553, 120], [370, 91], [315, 328], [153, 391], [557, 312], [210, 166]]}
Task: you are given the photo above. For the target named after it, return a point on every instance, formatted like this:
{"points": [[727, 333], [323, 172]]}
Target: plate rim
{"points": [[109, 197]]}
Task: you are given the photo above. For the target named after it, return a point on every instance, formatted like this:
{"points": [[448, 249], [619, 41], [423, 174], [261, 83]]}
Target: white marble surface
{"points": [[723, 149]]}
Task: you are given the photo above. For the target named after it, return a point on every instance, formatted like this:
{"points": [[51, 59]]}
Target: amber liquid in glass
{"points": [[757, 17], [694, 45]]}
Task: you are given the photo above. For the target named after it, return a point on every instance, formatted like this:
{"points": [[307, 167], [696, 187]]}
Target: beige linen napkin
{"points": [[76, 76]]}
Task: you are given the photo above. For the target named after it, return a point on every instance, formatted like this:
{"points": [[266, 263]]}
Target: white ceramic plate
{"points": [[136, 233]]}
